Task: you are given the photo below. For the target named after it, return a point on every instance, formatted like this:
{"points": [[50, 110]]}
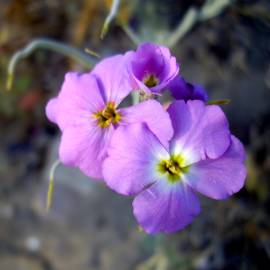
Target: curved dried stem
{"points": [[47, 44]]}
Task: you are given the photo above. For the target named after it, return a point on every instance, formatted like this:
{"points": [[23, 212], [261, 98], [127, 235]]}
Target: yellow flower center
{"points": [[109, 115], [150, 80], [173, 168]]}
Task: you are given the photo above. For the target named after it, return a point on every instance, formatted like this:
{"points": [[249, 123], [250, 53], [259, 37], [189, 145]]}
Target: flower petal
{"points": [[154, 115], [152, 59], [172, 68], [85, 147], [51, 110], [148, 58], [79, 97], [198, 92], [182, 90], [114, 78], [200, 131], [222, 177], [132, 158], [165, 207]]}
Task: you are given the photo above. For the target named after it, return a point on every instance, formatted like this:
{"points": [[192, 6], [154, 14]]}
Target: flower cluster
{"points": [[162, 157]]}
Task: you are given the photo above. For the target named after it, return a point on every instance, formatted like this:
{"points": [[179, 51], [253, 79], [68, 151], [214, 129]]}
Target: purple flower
{"points": [[86, 110], [152, 67], [184, 90], [202, 156]]}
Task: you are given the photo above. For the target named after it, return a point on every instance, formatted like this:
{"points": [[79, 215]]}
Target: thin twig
{"points": [[131, 34], [225, 101], [51, 184], [110, 17], [48, 44], [219, 102], [209, 10], [186, 24], [213, 8], [91, 52]]}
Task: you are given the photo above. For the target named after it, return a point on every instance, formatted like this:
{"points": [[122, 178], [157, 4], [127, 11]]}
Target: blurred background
{"points": [[223, 45]]}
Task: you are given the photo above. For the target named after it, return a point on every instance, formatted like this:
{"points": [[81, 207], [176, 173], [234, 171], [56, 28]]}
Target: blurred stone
{"points": [[32, 244]]}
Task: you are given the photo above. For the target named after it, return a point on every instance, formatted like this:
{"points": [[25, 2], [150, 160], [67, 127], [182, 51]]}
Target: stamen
{"points": [[173, 168], [108, 116], [150, 80]]}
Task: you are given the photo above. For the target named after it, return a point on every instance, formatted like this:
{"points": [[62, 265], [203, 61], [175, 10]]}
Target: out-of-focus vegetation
{"points": [[90, 227]]}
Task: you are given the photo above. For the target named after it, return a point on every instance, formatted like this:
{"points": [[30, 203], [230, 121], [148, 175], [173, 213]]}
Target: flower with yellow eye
{"points": [[87, 112], [202, 156]]}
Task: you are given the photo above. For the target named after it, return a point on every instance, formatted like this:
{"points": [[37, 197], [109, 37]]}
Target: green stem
{"points": [[135, 97]]}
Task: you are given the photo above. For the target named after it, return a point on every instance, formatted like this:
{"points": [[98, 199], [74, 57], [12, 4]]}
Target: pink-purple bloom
{"points": [[86, 110], [183, 90], [152, 68], [201, 156], [162, 157]]}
